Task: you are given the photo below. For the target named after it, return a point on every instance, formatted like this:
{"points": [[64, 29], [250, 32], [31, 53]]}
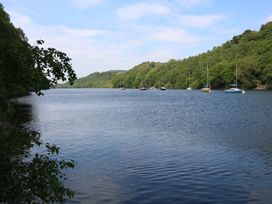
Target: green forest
{"points": [[94, 80], [251, 51], [26, 177]]}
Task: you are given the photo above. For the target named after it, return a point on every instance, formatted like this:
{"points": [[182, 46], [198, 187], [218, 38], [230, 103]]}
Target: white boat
{"points": [[142, 88], [207, 88], [122, 87], [163, 88], [235, 89]]}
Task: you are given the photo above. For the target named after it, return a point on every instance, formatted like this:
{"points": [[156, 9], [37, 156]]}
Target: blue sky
{"points": [[102, 35]]}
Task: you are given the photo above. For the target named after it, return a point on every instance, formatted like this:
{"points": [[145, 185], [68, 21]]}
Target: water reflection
{"points": [[26, 177]]}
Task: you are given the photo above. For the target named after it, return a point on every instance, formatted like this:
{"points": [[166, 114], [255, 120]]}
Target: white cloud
{"points": [[172, 35], [139, 10], [200, 21], [88, 54], [164, 53], [82, 33], [18, 19], [101, 50], [61, 32], [144, 34], [85, 4], [79, 44], [268, 19], [189, 3]]}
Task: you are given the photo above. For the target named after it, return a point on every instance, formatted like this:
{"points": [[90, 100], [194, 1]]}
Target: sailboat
{"points": [[189, 87], [122, 87], [235, 89], [162, 87], [207, 87], [142, 88]]}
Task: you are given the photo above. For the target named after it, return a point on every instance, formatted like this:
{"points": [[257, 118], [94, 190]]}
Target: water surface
{"points": [[169, 146]]}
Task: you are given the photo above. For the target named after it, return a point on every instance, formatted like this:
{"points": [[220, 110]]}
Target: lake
{"points": [[172, 146]]}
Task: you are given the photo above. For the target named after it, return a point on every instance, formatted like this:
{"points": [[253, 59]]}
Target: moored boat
{"points": [[207, 88], [234, 87], [189, 84], [233, 90], [142, 88], [163, 88]]}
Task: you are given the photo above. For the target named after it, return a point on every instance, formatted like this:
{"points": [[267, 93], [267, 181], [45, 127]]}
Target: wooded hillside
{"points": [[251, 51]]}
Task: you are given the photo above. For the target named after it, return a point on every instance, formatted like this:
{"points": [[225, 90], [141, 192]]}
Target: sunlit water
{"points": [[169, 146]]}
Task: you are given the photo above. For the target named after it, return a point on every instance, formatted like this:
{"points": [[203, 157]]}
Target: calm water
{"points": [[160, 147]]}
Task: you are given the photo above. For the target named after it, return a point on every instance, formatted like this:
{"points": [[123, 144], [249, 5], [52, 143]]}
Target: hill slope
{"points": [[94, 80], [251, 51]]}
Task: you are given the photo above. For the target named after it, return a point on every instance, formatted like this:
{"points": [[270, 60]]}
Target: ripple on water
{"points": [[161, 147]]}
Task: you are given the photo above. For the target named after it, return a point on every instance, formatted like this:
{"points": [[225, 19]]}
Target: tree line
{"points": [[26, 177]]}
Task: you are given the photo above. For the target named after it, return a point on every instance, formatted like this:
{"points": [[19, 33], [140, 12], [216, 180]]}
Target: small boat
{"points": [[207, 88], [142, 88], [234, 89], [189, 84], [152, 88], [122, 87], [163, 88]]}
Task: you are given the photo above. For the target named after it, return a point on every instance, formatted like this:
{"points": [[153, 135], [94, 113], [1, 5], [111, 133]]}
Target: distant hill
{"points": [[94, 80], [251, 51]]}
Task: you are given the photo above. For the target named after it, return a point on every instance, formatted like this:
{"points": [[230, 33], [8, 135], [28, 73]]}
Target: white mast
{"points": [[236, 76], [189, 80], [208, 85]]}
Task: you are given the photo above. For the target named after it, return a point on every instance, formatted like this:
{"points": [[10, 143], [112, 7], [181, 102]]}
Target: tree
{"points": [[25, 68], [15, 59], [53, 64], [24, 177]]}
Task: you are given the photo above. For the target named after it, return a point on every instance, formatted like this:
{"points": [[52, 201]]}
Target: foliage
{"points": [[15, 59], [24, 177], [95, 80], [53, 64], [25, 68]]}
